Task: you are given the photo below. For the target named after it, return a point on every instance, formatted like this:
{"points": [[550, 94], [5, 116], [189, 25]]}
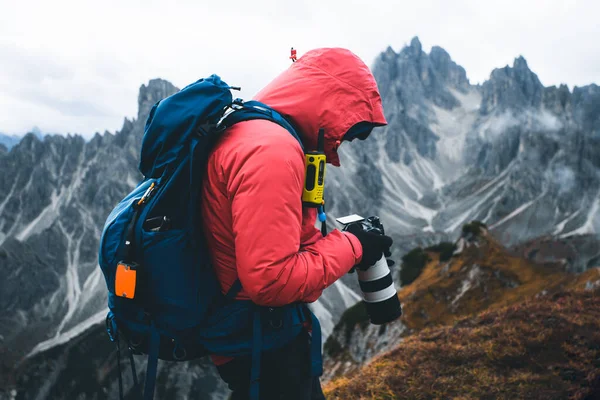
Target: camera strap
{"points": [[323, 219]]}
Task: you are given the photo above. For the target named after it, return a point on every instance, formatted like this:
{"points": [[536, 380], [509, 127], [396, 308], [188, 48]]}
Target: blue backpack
{"points": [[163, 294]]}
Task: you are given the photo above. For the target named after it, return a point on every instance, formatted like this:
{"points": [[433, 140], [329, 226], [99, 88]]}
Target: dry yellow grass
{"points": [[547, 348], [515, 349], [428, 300]]}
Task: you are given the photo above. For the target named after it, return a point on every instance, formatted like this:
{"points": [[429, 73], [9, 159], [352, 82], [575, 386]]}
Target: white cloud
{"points": [[564, 177], [547, 121], [499, 124], [76, 66]]}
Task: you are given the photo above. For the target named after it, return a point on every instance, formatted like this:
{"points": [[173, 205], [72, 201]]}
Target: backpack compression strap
{"points": [[245, 111], [316, 361], [249, 110]]}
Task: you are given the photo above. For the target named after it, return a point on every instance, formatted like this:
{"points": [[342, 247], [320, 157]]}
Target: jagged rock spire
{"points": [[517, 88], [157, 89]]}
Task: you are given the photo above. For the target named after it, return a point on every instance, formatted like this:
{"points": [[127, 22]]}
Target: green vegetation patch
{"points": [[446, 249], [333, 347], [355, 315], [473, 227], [412, 265]]}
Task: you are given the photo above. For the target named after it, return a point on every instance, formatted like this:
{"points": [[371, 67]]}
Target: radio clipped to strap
{"points": [[314, 182]]}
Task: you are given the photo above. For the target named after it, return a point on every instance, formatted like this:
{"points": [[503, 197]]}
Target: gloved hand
{"points": [[374, 244]]}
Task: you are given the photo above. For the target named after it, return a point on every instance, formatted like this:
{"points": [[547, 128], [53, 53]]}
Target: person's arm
{"points": [[267, 224], [310, 233]]}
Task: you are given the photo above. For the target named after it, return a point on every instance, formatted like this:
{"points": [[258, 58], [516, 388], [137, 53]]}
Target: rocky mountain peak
{"points": [[587, 99], [512, 88], [558, 99], [30, 141], [7, 141], [157, 89], [415, 47], [410, 82], [451, 72], [520, 63], [127, 125]]}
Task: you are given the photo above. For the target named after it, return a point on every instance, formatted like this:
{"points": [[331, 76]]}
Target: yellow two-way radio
{"points": [[312, 195]]}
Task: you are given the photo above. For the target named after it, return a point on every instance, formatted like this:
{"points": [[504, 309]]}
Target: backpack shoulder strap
{"points": [[249, 110]]}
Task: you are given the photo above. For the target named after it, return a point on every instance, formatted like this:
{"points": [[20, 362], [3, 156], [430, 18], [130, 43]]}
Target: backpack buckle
{"points": [[135, 341], [275, 318], [179, 353]]}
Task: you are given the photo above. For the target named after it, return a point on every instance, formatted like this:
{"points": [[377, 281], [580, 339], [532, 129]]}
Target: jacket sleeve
{"points": [[310, 233], [274, 269]]}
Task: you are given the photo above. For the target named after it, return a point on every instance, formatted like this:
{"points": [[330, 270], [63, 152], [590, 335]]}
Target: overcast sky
{"points": [[76, 66]]}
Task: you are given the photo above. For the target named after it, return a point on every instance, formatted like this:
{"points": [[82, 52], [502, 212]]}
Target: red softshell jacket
{"points": [[255, 224]]}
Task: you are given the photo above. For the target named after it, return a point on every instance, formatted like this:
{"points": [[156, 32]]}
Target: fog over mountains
{"points": [[521, 157]]}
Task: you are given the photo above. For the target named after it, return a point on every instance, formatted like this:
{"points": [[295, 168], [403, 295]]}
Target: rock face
{"points": [[512, 153], [512, 89], [58, 192]]}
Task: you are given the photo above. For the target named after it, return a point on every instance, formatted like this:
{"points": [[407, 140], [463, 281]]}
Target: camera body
{"points": [[371, 224], [376, 283]]}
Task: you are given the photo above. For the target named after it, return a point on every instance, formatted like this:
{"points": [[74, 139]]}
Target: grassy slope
{"points": [[497, 279], [502, 279], [545, 348], [429, 299]]}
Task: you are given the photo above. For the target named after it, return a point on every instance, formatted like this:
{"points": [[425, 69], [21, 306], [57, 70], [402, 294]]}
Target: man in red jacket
{"points": [[256, 227]]}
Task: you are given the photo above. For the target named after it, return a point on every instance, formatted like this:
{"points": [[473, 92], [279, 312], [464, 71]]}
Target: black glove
{"points": [[374, 244]]}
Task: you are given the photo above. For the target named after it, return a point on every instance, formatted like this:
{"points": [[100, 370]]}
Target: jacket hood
{"points": [[327, 88]]}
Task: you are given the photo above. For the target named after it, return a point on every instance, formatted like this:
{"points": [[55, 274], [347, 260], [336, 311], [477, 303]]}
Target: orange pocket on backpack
{"points": [[125, 280]]}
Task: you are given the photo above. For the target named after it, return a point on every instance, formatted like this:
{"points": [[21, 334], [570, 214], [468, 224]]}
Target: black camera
{"points": [[376, 284]]}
